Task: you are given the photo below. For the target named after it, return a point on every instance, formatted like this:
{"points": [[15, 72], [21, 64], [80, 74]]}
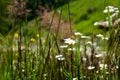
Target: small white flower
{"points": [[89, 42], [114, 15], [102, 23], [96, 23], [111, 7], [109, 10], [99, 55], [106, 23], [84, 76], [117, 11], [85, 37], [70, 41], [44, 74], [99, 35], [23, 70], [107, 72], [64, 46], [105, 38], [84, 59], [58, 56], [103, 66], [71, 49], [61, 58], [78, 33], [74, 78], [91, 67]]}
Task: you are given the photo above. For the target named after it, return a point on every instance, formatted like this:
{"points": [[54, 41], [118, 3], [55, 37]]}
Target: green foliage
{"points": [[85, 12]]}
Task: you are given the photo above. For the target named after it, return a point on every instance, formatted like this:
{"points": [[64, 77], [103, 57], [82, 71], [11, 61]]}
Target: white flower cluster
{"points": [[102, 37], [114, 20], [113, 12], [111, 9], [70, 41], [102, 23]]}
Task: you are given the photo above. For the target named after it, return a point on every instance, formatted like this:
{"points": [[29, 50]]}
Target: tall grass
{"points": [[31, 53]]}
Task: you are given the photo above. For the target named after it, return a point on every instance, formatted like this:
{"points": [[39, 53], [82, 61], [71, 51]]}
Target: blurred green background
{"points": [[83, 13]]}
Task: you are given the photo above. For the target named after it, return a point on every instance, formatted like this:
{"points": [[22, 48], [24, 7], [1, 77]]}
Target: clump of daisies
{"points": [[112, 18]]}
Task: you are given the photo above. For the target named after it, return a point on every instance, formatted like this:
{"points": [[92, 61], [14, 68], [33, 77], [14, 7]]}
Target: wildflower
{"points": [[45, 75], [102, 23], [78, 34], [32, 40], [84, 76], [64, 46], [113, 15], [110, 9], [105, 38], [91, 67], [85, 37], [99, 55], [103, 66], [84, 59], [89, 42], [99, 35], [58, 56], [16, 35], [71, 49], [61, 58], [23, 70], [70, 41], [107, 72], [74, 78], [37, 35], [96, 23]]}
